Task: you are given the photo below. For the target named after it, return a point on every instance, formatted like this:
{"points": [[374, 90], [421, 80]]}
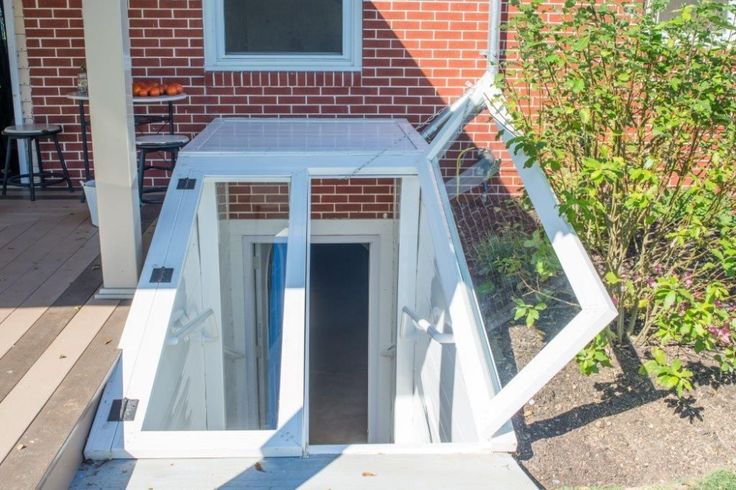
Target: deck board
{"points": [[26, 301], [16, 362], [22, 404], [55, 424], [36, 230], [11, 231], [41, 256]]}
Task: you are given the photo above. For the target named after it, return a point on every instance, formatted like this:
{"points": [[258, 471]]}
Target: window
{"points": [[674, 7], [283, 35]]}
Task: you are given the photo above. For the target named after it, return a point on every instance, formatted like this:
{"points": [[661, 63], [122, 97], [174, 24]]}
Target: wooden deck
{"points": [[57, 342]]}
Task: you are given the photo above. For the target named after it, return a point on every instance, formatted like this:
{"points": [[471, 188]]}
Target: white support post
{"points": [[406, 294], [209, 251], [113, 138]]}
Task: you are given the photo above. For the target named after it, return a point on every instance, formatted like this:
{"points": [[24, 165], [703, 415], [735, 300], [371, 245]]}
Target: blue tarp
{"points": [[277, 285]]}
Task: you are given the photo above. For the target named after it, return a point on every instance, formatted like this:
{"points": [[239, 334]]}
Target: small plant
{"points": [[530, 313], [670, 375], [595, 355], [523, 263]]}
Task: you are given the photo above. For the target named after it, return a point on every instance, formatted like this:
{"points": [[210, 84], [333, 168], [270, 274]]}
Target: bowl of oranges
{"points": [[149, 88]]}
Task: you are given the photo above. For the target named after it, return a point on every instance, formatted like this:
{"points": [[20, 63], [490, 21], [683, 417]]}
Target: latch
{"points": [[122, 410], [161, 275], [186, 184]]}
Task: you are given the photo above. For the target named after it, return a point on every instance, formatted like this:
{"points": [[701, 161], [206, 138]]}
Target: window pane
{"points": [[673, 8], [283, 26]]}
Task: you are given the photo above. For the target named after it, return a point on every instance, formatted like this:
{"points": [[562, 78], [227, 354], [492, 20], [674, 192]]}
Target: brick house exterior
{"points": [[418, 55]]}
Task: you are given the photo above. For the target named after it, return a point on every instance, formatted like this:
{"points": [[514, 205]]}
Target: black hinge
{"points": [[161, 274], [122, 410], [186, 184]]}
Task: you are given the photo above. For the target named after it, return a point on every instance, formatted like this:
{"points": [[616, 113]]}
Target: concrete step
{"points": [[425, 472]]}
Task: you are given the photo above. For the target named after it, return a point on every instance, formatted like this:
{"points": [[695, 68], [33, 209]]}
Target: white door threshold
{"points": [[426, 472]]}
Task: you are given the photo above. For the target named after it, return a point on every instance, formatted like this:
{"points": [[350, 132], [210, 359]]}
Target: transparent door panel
{"points": [[221, 366], [439, 408]]}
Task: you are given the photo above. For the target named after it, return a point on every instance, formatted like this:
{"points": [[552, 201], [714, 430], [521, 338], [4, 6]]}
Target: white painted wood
{"points": [[405, 289], [220, 167], [421, 472], [294, 386], [111, 112], [22, 404], [11, 38], [102, 434], [216, 58], [209, 250]]}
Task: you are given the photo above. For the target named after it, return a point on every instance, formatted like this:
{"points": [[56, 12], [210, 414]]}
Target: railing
{"points": [[424, 326], [177, 333]]}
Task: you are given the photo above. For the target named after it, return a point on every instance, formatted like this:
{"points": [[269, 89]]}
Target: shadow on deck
{"points": [[57, 342]]}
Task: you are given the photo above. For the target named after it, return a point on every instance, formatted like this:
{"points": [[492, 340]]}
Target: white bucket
{"points": [[90, 195]]}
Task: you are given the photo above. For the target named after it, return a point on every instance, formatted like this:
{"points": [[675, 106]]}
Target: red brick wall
{"points": [[417, 56], [355, 198]]}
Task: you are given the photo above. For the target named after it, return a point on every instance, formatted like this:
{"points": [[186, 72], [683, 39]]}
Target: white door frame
{"points": [[379, 234]]}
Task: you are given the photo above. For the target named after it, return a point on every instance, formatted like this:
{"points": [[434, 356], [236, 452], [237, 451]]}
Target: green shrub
{"points": [[634, 122]]}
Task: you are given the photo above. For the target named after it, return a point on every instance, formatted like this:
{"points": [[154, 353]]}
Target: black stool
{"points": [[32, 133], [155, 143]]}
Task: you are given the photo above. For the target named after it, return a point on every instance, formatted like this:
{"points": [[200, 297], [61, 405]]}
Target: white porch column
{"points": [[113, 138]]}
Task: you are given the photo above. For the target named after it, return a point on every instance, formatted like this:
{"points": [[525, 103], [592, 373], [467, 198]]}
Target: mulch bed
{"points": [[617, 427]]}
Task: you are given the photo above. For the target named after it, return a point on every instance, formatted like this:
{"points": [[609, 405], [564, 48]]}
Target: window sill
{"points": [[286, 65]]}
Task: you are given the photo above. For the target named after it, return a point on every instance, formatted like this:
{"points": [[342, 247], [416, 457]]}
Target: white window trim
{"points": [[215, 58]]}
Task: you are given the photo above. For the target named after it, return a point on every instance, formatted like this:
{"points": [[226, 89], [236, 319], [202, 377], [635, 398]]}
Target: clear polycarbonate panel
{"points": [[220, 367], [524, 294], [443, 408]]}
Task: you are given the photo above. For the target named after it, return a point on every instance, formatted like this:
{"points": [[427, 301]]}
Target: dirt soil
{"points": [[616, 427]]}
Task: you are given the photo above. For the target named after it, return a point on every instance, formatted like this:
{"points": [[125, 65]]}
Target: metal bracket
{"points": [[161, 275], [186, 184], [122, 410]]}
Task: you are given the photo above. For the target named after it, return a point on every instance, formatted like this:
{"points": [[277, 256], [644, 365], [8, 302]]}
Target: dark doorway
{"points": [[338, 344], [7, 116]]}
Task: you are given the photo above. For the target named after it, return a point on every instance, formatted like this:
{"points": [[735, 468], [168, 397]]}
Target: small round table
{"points": [[81, 98]]}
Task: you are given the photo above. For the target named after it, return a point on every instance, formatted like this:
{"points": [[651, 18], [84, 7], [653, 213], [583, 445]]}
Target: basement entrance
{"points": [[298, 301], [338, 343]]}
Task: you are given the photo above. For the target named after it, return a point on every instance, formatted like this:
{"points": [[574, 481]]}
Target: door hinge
{"points": [[186, 184], [122, 410], [161, 275]]}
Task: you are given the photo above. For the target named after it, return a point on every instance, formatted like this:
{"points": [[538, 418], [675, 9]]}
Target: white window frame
{"points": [[216, 59]]}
